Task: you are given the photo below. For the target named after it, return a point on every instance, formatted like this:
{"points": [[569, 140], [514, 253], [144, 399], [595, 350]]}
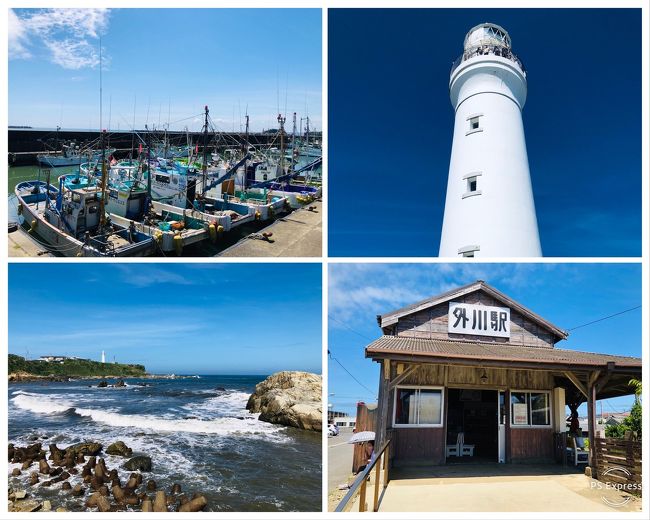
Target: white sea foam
{"points": [[41, 404], [227, 426]]}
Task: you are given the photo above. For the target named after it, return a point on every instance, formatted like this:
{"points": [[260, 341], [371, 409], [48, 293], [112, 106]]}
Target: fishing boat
{"points": [[72, 224]]}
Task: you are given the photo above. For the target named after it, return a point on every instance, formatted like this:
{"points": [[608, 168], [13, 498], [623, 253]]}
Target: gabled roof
{"points": [[391, 318]]}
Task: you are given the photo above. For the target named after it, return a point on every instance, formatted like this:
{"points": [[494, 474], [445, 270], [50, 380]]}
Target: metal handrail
{"points": [[485, 50], [361, 482]]}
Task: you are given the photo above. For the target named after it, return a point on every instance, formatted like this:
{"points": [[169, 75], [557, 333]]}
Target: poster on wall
{"points": [[520, 413], [479, 320]]}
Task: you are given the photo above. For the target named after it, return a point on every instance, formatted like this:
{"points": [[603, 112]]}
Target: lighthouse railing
{"points": [[486, 50]]}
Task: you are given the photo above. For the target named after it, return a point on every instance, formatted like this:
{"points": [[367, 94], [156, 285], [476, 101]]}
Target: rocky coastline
{"points": [[81, 472], [290, 398]]}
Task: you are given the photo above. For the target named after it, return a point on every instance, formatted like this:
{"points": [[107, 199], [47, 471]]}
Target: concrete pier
{"points": [[299, 234], [22, 244]]}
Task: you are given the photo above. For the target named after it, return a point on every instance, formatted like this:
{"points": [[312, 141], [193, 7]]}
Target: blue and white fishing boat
{"points": [[73, 222]]}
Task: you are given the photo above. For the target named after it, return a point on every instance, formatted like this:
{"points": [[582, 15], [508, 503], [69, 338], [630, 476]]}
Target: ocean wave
{"points": [[218, 426]]}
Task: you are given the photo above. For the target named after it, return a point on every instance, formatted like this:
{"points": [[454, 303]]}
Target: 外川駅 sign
{"points": [[480, 320]]}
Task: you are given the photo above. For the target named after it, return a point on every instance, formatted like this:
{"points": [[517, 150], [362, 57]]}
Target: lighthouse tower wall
{"points": [[489, 209]]}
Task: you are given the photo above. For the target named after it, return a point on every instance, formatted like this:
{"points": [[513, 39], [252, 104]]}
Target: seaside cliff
{"points": [[291, 399], [21, 369]]}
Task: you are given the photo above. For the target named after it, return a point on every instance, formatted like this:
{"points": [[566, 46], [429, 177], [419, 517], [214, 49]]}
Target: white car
{"points": [[332, 430]]}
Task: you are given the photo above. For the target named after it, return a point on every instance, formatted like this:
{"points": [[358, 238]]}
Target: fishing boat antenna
{"points": [[205, 149], [100, 84], [133, 130]]}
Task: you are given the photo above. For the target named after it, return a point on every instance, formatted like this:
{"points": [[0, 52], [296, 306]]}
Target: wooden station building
{"points": [[474, 362]]}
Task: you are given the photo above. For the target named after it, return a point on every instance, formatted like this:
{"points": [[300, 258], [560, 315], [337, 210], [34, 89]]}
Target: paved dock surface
{"points": [[299, 234], [22, 244]]}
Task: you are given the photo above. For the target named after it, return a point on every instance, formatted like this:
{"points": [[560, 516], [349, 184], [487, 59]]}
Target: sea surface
{"points": [[197, 432]]}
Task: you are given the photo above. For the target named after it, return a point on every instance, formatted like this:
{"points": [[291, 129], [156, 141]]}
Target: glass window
{"points": [[405, 406], [473, 123], [530, 409], [418, 406], [430, 405], [472, 184], [539, 409]]}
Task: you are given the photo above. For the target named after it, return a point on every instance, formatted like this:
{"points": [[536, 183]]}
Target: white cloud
{"points": [[133, 274], [67, 34], [18, 39]]}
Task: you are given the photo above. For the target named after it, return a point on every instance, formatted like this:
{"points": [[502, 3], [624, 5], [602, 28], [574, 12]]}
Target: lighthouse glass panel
{"points": [[473, 123]]}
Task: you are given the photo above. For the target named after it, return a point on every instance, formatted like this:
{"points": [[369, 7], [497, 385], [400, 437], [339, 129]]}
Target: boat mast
{"points": [[281, 120], [102, 202], [146, 127], [246, 145], [205, 149], [293, 142]]}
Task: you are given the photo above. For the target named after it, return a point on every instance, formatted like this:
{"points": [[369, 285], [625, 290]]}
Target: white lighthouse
{"points": [[489, 210], [103, 357]]}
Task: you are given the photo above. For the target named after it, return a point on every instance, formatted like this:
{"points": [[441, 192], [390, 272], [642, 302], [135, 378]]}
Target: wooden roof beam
{"points": [[403, 376], [576, 382]]}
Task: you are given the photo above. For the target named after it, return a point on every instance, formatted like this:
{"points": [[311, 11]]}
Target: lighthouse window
{"points": [[469, 251], [474, 124], [471, 188]]}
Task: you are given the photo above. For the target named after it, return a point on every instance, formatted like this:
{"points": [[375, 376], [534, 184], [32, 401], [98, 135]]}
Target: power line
{"points": [[605, 318], [349, 328], [329, 353]]}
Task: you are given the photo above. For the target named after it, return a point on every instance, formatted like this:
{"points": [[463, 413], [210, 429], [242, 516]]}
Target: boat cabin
{"points": [[473, 376]]}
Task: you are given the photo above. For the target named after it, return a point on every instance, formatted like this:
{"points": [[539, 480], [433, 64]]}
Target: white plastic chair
{"points": [[465, 449], [453, 450]]}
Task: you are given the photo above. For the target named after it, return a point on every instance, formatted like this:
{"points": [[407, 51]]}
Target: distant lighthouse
{"points": [[103, 357], [489, 209]]}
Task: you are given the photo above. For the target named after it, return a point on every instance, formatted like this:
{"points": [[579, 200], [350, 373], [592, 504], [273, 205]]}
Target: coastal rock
{"points": [[84, 448], [289, 398], [25, 506], [102, 384], [194, 505], [120, 449], [140, 463], [120, 384]]}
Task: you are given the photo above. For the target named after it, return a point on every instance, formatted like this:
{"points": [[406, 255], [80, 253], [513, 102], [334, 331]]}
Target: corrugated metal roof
{"points": [[494, 352]]}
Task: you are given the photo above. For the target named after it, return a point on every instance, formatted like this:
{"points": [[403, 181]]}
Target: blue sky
{"points": [[226, 58], [173, 318], [568, 295], [391, 122]]}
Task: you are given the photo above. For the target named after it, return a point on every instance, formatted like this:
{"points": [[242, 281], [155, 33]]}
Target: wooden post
{"points": [[375, 503], [386, 462], [591, 426], [380, 429], [362, 496]]}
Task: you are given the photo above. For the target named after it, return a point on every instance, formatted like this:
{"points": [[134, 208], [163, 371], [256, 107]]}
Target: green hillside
{"points": [[73, 368]]}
